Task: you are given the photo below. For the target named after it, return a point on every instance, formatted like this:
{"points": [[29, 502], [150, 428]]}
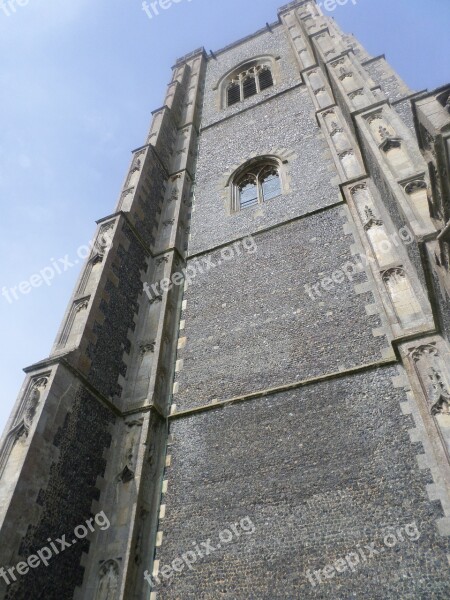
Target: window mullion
{"points": [[260, 190]]}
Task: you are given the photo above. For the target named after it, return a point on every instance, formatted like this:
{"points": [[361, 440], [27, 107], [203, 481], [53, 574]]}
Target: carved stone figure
{"points": [[344, 73], [371, 218], [441, 394], [131, 451], [108, 585], [31, 405], [384, 132]]}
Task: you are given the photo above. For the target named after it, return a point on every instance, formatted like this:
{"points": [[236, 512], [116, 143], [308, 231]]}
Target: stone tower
{"points": [[249, 395]]}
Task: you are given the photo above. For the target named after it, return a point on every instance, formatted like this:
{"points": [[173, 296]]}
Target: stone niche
{"points": [[431, 360], [390, 144], [382, 246], [403, 296], [418, 197]]}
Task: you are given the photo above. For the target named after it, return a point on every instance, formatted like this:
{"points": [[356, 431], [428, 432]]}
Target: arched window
{"points": [[247, 81], [265, 78], [249, 86], [259, 182], [233, 93]]}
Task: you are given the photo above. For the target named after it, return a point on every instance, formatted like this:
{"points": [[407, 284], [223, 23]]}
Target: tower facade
{"points": [[249, 395]]}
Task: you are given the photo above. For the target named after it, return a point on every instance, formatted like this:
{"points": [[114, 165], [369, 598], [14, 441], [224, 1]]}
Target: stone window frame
{"points": [[250, 166], [239, 72]]}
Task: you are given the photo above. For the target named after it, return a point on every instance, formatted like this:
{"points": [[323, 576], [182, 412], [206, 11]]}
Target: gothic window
{"points": [[233, 94], [249, 80], [249, 86], [256, 184], [265, 78]]}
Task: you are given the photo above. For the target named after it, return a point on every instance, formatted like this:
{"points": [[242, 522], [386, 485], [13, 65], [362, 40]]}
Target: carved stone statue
{"points": [[31, 405], [131, 451], [108, 585], [441, 394], [344, 73], [384, 132], [371, 219]]}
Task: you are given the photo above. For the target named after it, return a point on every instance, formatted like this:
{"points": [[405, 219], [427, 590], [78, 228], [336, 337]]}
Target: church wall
{"points": [[285, 125], [320, 471], [250, 324], [58, 485], [272, 43]]}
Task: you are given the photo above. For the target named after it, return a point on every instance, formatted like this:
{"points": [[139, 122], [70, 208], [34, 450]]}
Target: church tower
{"points": [[249, 395]]}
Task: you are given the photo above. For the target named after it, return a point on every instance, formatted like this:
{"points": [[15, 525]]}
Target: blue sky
{"points": [[78, 82]]}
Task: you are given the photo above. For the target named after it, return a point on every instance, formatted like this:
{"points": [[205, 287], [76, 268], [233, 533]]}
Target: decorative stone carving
{"points": [[371, 219], [361, 187], [24, 418], [161, 260], [358, 98], [430, 368], [127, 192], [169, 222], [328, 114], [137, 163], [156, 299], [396, 272], [335, 127], [130, 457], [340, 138], [402, 295], [417, 192], [336, 64], [82, 305], [350, 164], [32, 402], [146, 347], [124, 196], [441, 394], [425, 350], [344, 73], [390, 144], [174, 195], [397, 156], [415, 186], [377, 116], [102, 243], [428, 141], [384, 132], [108, 584]]}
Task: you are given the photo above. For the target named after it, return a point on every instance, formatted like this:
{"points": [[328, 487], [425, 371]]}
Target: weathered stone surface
{"points": [[320, 472], [252, 325], [339, 446]]}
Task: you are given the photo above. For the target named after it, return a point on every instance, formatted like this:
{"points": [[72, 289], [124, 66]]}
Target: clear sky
{"points": [[79, 79]]}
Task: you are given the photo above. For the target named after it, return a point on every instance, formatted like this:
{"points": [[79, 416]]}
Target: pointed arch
{"points": [[247, 79]]}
